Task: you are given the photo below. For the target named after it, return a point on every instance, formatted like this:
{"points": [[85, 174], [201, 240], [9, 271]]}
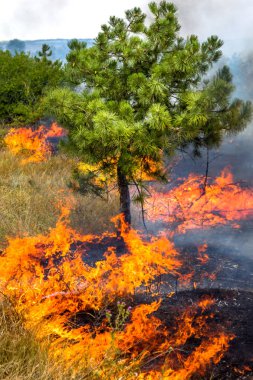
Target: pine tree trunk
{"points": [[124, 195]]}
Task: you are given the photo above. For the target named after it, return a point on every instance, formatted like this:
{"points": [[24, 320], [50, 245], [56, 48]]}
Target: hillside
{"points": [[59, 47]]}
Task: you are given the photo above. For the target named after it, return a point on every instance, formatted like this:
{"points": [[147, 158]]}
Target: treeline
{"points": [[24, 80]]}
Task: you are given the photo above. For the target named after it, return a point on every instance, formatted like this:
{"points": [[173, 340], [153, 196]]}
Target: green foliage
{"points": [[23, 81], [146, 93], [45, 52], [85, 183], [122, 314]]}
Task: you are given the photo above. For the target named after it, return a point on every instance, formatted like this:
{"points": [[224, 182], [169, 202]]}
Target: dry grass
{"points": [[23, 358], [30, 193]]}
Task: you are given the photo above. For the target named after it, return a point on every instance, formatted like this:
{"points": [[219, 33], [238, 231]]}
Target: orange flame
{"points": [[55, 131], [32, 143], [210, 350], [206, 302], [49, 282], [194, 205]]}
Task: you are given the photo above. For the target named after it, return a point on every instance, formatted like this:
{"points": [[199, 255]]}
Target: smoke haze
{"points": [[49, 19], [28, 19], [231, 20]]}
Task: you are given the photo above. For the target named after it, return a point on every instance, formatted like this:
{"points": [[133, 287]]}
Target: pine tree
{"points": [[145, 93], [45, 52]]}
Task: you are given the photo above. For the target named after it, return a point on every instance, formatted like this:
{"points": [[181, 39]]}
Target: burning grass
{"points": [[21, 356], [199, 202], [78, 317], [78, 309], [33, 144]]}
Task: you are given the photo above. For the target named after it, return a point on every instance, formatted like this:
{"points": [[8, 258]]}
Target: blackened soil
{"points": [[95, 250], [233, 311]]}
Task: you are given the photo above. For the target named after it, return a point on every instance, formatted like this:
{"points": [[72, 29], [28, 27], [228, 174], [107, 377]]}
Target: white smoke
{"points": [[231, 20]]}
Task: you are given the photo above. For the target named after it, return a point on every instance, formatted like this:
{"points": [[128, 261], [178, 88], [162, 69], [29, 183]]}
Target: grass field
{"points": [[30, 194]]}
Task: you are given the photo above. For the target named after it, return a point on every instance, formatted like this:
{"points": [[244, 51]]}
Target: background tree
{"points": [[15, 46], [146, 93], [23, 81], [45, 52]]}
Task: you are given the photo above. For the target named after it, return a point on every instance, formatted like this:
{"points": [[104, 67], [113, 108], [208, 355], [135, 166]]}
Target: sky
{"points": [[232, 20]]}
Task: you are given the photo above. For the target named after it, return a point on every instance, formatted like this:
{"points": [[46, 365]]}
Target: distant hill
{"points": [[59, 47]]}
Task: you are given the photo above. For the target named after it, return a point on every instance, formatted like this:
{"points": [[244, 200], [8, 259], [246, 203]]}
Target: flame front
{"points": [[196, 204], [49, 283]]}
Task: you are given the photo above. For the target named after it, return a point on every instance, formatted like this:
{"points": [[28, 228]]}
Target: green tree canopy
{"points": [[146, 93], [23, 81]]}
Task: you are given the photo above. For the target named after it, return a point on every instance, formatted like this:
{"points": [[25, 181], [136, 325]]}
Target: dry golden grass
{"points": [[23, 358], [29, 195]]}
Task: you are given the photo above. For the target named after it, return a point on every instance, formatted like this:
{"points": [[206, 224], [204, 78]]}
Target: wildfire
{"points": [[33, 144], [149, 170], [196, 204], [211, 349], [49, 282], [55, 131]]}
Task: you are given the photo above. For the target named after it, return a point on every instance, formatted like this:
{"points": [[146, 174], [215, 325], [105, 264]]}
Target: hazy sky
{"points": [[31, 19]]}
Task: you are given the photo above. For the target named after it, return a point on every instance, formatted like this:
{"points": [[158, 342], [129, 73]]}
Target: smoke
{"points": [[231, 20], [25, 18]]}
